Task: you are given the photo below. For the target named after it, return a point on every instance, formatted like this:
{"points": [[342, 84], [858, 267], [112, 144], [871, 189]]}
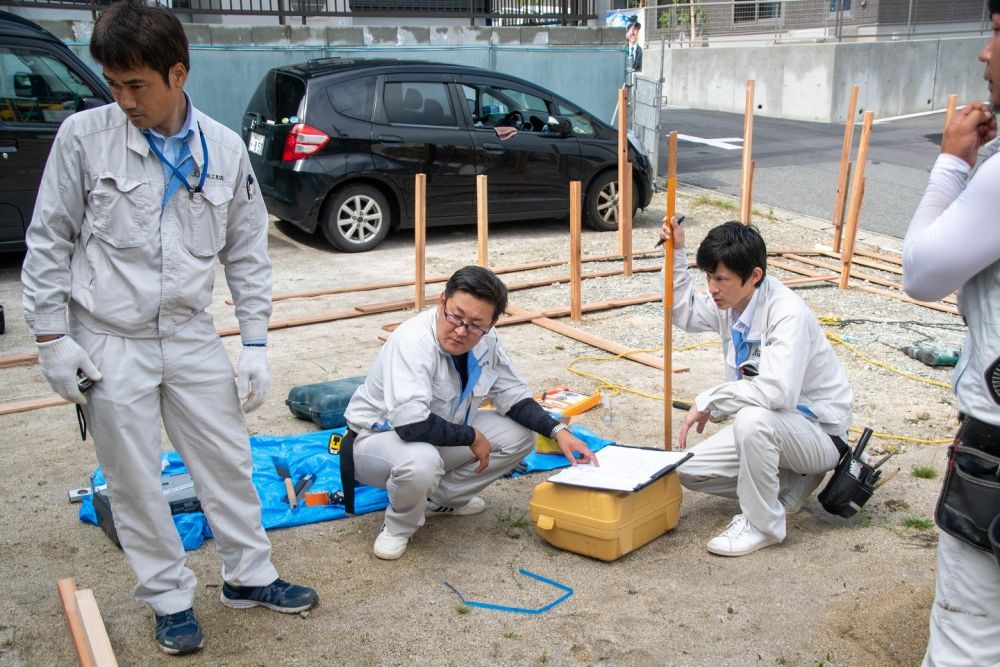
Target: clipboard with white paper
{"points": [[622, 468]]}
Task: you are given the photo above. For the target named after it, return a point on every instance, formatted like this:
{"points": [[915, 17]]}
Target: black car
{"points": [[335, 144], [41, 83]]}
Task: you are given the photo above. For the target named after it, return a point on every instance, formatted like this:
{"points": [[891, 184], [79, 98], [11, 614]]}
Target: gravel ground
{"points": [[836, 592]]}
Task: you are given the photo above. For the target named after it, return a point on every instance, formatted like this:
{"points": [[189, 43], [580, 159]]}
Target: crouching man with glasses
{"points": [[421, 434]]}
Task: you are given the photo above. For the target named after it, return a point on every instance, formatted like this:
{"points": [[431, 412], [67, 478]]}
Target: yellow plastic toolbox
{"points": [[605, 524]]}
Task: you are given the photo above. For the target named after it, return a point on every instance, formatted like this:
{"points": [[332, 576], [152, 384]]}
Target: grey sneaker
{"points": [[474, 506]]}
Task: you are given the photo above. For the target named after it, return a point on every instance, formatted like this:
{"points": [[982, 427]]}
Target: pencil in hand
{"points": [[680, 219]]}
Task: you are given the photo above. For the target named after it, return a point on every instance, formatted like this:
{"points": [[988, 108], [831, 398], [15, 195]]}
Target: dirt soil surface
{"points": [[836, 592]]}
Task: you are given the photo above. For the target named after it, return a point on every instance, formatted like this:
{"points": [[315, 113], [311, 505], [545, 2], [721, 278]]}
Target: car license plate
{"points": [[256, 143]]}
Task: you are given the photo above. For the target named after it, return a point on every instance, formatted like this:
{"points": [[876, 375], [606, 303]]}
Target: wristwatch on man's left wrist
{"points": [[558, 427]]}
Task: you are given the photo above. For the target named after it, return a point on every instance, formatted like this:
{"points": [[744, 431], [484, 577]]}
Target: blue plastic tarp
{"points": [[306, 453]]}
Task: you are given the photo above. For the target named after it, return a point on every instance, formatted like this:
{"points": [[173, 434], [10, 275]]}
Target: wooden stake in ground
{"points": [[575, 230], [625, 194], [672, 175], [482, 218], [622, 164], [746, 174], [419, 237], [668, 298], [952, 107], [857, 194], [843, 178]]}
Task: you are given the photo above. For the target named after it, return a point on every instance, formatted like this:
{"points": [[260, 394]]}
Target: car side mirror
{"points": [[22, 84], [560, 125], [89, 103]]}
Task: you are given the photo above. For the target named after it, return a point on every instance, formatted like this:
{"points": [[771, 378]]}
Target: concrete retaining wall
{"points": [[813, 81], [797, 81], [228, 62]]}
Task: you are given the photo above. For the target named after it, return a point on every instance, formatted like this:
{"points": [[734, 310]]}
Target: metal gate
{"points": [[644, 116]]}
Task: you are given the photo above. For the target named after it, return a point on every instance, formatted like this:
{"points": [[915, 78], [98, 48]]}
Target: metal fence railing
{"points": [[488, 12], [724, 21]]}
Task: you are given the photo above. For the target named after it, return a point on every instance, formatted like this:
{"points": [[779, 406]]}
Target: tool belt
{"points": [[347, 469], [852, 483], [969, 506]]}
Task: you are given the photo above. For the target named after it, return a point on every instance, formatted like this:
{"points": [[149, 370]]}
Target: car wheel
{"points": [[602, 202], [357, 219]]}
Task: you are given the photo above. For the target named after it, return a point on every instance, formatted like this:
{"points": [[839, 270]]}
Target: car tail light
{"points": [[303, 141]]}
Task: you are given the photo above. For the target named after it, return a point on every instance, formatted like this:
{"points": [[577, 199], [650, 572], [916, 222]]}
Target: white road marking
{"points": [[725, 143], [911, 115]]}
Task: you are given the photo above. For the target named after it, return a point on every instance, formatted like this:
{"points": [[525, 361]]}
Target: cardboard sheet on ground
{"points": [[306, 453]]}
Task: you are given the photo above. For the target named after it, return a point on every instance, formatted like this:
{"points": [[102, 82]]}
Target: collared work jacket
{"points": [[797, 368], [100, 243], [413, 377]]}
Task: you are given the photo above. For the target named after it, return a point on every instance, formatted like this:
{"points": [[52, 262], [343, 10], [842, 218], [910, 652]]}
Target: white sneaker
{"points": [[798, 491], [389, 547], [739, 539], [474, 506]]}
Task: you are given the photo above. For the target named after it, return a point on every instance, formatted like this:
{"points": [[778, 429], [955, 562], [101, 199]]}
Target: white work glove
{"points": [[253, 378], [59, 360]]}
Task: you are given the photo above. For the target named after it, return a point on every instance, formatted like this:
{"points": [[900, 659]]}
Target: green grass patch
{"points": [[714, 202], [925, 472], [511, 517], [462, 609], [917, 523]]}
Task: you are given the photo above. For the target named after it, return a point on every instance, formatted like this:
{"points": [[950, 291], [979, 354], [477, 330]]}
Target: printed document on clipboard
{"points": [[622, 468]]}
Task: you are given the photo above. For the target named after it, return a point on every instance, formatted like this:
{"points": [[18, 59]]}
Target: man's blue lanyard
{"points": [[176, 172]]}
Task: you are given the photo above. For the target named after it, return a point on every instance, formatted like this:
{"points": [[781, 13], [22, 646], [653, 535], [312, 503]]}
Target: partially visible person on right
{"points": [[953, 243]]}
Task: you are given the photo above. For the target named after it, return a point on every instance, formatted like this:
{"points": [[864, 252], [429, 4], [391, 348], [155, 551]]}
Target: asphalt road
{"points": [[797, 162]]}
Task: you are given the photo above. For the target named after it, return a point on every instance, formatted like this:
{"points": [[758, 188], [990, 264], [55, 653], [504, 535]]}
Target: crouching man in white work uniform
{"points": [[136, 202], [953, 244], [784, 388], [420, 433]]}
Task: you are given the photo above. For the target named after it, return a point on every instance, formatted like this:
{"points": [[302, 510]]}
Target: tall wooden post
{"points": [[671, 175], [575, 231], [843, 178], [626, 195], [952, 106], [668, 297], [857, 194], [746, 173], [419, 236], [622, 164], [482, 221]]}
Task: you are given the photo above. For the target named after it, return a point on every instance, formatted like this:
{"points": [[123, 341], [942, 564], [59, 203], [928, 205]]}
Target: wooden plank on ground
{"points": [[67, 594], [13, 360], [594, 340], [33, 404], [94, 630], [944, 308], [513, 268], [884, 282]]}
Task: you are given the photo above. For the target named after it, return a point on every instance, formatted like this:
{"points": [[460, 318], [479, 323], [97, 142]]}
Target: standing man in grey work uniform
{"points": [[136, 203], [953, 243]]}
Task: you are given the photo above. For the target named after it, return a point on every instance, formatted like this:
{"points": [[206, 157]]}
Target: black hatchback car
{"points": [[335, 144], [41, 83]]}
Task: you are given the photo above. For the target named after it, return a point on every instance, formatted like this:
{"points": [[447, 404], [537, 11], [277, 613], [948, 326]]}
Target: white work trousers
{"points": [[414, 472], [965, 618], [755, 457], [187, 381]]}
